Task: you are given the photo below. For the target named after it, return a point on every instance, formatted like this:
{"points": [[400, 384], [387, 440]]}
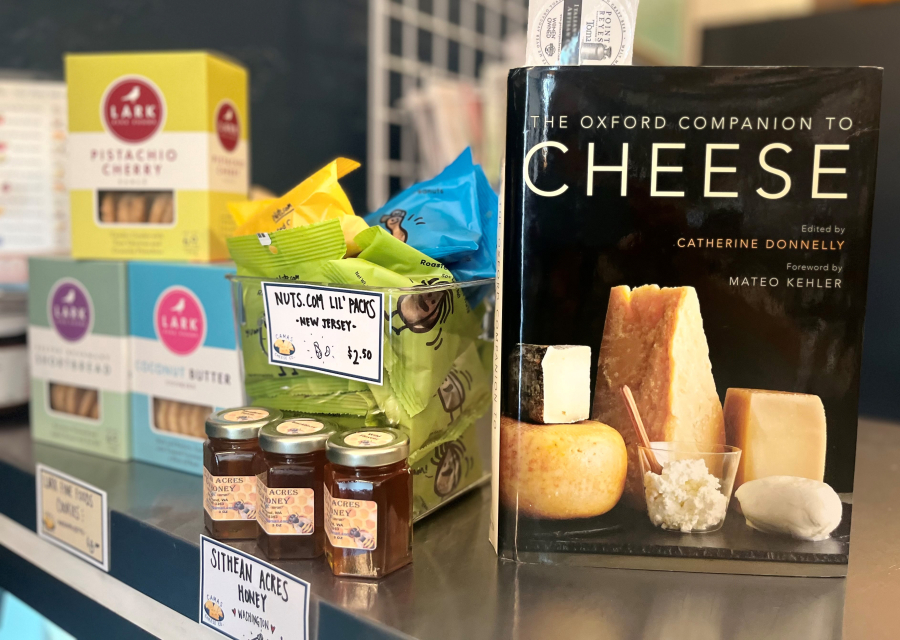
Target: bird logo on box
{"points": [[133, 95]]}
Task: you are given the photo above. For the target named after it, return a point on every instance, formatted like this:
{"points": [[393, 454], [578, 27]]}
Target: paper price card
{"points": [[73, 515], [244, 598], [326, 329]]}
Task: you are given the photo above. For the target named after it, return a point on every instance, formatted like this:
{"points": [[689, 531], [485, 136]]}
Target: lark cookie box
{"points": [[78, 354], [158, 144], [184, 361]]}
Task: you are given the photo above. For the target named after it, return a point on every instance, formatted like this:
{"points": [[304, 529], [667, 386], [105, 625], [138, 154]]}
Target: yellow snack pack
{"points": [[316, 199], [158, 145]]}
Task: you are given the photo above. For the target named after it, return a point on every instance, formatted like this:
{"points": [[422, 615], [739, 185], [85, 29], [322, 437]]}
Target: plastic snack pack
{"points": [[483, 262], [439, 217], [318, 198]]}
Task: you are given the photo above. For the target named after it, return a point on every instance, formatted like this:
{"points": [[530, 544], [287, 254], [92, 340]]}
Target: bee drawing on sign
{"points": [[422, 312], [451, 465], [393, 222], [452, 391]]}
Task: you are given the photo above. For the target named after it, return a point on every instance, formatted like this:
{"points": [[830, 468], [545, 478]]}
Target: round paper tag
{"points": [[245, 415], [368, 439], [299, 427]]}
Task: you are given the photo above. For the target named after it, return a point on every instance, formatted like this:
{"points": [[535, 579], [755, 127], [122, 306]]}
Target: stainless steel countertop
{"points": [[457, 588]]}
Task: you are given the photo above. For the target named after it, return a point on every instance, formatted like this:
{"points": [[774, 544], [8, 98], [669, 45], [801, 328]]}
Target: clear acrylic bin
{"points": [[437, 377]]}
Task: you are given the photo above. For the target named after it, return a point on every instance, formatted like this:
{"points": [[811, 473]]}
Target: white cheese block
{"points": [[798, 507], [551, 384]]}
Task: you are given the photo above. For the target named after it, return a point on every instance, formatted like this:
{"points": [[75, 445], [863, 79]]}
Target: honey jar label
{"points": [[285, 511], [229, 497], [351, 524], [246, 415], [368, 439], [299, 427]]}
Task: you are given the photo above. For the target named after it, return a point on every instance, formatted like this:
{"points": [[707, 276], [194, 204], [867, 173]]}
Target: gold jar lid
{"points": [[240, 423], [305, 434], [367, 447]]}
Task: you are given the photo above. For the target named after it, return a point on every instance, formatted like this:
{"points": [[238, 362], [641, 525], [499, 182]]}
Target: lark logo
{"points": [[179, 320], [228, 125], [133, 109], [70, 309]]}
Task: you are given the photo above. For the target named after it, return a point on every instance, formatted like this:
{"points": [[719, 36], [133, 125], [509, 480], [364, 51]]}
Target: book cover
{"points": [[680, 314]]}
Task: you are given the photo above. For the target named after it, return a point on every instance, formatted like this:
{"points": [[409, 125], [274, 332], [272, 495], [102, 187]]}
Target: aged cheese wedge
{"points": [[551, 384], [653, 341], [779, 433]]}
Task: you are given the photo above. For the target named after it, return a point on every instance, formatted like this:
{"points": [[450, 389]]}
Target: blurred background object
{"points": [[860, 36], [34, 203]]}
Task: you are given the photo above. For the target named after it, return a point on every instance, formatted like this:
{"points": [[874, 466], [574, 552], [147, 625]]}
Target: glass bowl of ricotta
{"points": [[693, 489]]}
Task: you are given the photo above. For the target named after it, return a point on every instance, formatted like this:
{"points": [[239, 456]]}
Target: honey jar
{"points": [[290, 469], [368, 502], [229, 484]]}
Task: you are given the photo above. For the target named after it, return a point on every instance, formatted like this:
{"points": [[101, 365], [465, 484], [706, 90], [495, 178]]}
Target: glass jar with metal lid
{"points": [[289, 469], [229, 484], [368, 502]]}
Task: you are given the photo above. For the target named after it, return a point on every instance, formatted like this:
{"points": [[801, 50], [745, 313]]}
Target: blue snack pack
{"points": [[483, 262], [439, 217]]}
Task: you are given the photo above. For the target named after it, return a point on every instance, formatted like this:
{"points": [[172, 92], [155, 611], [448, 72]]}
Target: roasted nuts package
{"points": [[685, 255], [78, 348], [158, 145]]}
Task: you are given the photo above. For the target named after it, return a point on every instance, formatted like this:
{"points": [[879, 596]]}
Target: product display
{"points": [[368, 502], [780, 434], [158, 144], [184, 360], [34, 203], [434, 383], [230, 498], [290, 470], [711, 269], [79, 355]]}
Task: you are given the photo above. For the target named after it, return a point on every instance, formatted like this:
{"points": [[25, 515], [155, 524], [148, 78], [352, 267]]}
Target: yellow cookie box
{"points": [[158, 145]]}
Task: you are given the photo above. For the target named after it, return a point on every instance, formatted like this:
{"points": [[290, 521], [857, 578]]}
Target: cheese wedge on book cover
{"points": [[779, 433], [653, 341]]}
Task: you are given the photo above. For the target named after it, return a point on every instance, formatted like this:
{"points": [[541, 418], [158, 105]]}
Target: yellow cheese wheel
{"points": [[561, 471]]}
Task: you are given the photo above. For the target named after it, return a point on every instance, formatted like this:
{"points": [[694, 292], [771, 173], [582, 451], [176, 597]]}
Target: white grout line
{"points": [[145, 612]]}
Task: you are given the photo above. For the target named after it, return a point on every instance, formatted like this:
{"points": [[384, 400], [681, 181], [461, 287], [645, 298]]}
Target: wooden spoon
{"points": [[638, 425]]}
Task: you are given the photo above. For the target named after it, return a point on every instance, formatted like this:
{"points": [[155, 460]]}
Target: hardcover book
{"points": [[680, 316]]}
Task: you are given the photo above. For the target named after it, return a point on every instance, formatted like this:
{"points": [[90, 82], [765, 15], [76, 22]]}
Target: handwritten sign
{"points": [[325, 329], [73, 515], [244, 598]]}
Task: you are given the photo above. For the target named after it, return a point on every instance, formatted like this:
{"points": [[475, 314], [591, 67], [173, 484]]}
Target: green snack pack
{"points": [[452, 466], [381, 248], [291, 254], [462, 398]]}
